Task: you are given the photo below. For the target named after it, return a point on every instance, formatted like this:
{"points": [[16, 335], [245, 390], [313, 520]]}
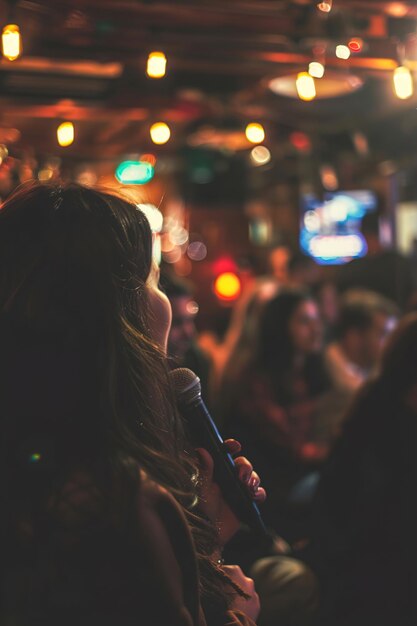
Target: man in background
{"points": [[366, 320]]}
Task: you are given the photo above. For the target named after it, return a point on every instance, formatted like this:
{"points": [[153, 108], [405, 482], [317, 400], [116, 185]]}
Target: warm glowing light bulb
{"points": [[342, 52], [397, 9], [65, 134], [403, 83], [316, 69], [329, 178], [255, 133], [306, 87], [160, 133], [325, 6], [156, 66], [11, 42], [227, 286], [260, 155], [45, 174]]}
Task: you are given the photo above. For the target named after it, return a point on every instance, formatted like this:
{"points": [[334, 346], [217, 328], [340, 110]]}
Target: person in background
{"points": [[270, 396], [278, 259], [384, 271], [366, 504], [300, 271], [287, 588], [183, 349], [366, 320], [109, 516]]}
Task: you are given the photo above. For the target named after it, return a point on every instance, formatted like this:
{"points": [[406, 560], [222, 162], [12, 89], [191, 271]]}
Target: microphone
{"points": [[203, 433]]}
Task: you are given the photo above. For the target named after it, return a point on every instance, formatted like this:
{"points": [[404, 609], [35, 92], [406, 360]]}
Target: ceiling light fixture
{"points": [[316, 69], [306, 87], [156, 65], [402, 77], [325, 6], [342, 52], [65, 134], [11, 42], [255, 132], [403, 82], [160, 133]]}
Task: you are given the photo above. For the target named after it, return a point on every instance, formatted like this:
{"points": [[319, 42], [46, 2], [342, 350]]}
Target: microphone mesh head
{"points": [[186, 384]]}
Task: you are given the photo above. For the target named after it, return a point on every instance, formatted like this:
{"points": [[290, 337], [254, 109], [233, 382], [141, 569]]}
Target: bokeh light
{"points": [[156, 65], [355, 44], [134, 172], [172, 256], [227, 286], [255, 132], [197, 251], [260, 155], [178, 235], [65, 134], [403, 83], [306, 87], [316, 69], [11, 42], [325, 6], [342, 52], [160, 133]]}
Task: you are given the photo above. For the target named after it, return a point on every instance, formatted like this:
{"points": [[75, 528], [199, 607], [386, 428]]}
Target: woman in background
{"points": [[270, 397], [99, 487]]}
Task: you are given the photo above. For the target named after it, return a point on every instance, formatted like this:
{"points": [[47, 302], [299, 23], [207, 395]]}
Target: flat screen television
{"points": [[330, 228]]}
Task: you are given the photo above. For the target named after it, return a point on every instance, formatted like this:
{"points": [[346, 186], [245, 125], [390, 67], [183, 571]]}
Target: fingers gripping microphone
{"points": [[204, 434]]}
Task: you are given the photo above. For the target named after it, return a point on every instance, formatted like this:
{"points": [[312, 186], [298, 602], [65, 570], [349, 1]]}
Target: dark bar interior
{"points": [[208, 312]]}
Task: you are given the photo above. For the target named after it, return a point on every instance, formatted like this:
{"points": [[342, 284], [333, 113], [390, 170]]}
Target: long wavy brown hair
{"points": [[74, 263]]}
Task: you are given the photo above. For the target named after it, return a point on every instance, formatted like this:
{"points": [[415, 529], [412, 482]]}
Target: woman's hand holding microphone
{"points": [[214, 506]]}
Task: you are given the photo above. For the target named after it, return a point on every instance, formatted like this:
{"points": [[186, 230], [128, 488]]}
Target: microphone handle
{"points": [[204, 433]]}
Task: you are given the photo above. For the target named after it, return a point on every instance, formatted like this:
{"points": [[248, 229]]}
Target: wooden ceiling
{"points": [[85, 60]]}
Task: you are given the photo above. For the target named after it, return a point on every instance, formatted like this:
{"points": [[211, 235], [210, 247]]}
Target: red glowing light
{"points": [[227, 286], [300, 141], [149, 158], [355, 44], [224, 264]]}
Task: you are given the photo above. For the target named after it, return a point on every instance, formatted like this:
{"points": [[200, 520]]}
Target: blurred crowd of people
{"points": [[317, 378]]}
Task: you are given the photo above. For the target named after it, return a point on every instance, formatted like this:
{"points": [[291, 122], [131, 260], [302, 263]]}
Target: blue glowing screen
{"points": [[330, 228]]}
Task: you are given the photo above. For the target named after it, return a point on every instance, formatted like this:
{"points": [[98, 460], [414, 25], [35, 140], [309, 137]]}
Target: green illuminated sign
{"points": [[134, 172]]}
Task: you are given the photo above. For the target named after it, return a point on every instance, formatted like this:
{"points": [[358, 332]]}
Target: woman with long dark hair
{"points": [[271, 393], [99, 486]]}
